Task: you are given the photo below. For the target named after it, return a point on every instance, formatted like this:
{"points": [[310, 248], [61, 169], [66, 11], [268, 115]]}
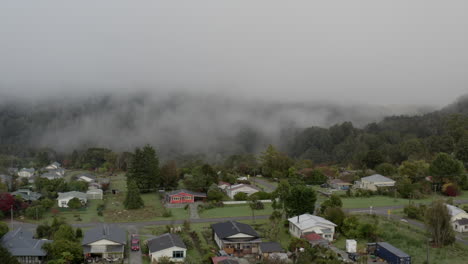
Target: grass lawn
{"points": [[413, 241], [234, 210], [74, 216], [375, 201]]}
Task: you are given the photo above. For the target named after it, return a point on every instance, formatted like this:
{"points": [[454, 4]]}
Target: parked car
{"points": [[135, 243]]}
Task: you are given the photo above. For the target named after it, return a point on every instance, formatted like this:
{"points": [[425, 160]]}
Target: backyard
{"points": [[235, 210], [413, 241]]}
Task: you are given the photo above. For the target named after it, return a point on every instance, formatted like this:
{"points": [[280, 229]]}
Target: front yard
{"points": [[235, 210]]}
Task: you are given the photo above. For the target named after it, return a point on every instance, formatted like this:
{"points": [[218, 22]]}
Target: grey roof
{"points": [[89, 175], [393, 249], [72, 194], [165, 241], [56, 164], [271, 247], [230, 228], [30, 170], [20, 242], [27, 195], [51, 175], [108, 232], [228, 261], [377, 178], [463, 221], [187, 191]]}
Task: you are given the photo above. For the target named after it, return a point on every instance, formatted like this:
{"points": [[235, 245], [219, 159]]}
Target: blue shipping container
{"points": [[391, 254]]}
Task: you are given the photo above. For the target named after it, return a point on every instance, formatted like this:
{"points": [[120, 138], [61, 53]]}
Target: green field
{"points": [[234, 210], [413, 241]]}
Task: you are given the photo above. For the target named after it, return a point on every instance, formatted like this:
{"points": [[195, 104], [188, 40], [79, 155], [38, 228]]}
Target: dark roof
{"points": [[165, 241], [271, 247], [27, 195], [463, 221], [20, 242], [186, 191], [393, 249], [230, 228], [228, 261], [108, 232]]}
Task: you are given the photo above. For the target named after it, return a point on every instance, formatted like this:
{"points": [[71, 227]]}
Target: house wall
{"points": [[29, 260], [59, 201], [168, 253], [244, 189], [218, 241], [180, 198], [457, 227], [295, 231], [24, 174]]}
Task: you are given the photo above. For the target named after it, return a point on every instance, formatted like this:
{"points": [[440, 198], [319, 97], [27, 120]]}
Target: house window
{"points": [[188, 198], [177, 254], [175, 198], [63, 203]]}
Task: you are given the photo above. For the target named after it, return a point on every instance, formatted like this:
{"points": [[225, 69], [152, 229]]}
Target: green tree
{"points": [[461, 149], [214, 193], [444, 166], [6, 257], [333, 201], [300, 200], [78, 233], [438, 224], [65, 232], [335, 215], [169, 175], [274, 161], [416, 170], [241, 196], [144, 169], [373, 158], [74, 203], [3, 229], [56, 249], [386, 169], [35, 212], [133, 198]]}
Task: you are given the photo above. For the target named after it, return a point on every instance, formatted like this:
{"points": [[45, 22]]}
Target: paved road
{"points": [[134, 256], [269, 187]]}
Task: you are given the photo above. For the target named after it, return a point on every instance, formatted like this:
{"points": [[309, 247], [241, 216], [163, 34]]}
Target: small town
{"points": [[233, 132]]}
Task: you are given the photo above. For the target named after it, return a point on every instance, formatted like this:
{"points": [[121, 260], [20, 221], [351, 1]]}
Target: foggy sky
{"points": [[372, 52]]}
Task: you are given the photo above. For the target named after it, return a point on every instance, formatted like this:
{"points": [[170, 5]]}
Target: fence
{"points": [[244, 202]]}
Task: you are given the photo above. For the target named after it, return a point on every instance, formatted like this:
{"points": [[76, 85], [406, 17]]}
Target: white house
{"points": [[458, 218], [26, 173], [85, 177], [223, 185], [104, 241], [53, 166], [94, 194], [236, 238], [307, 223], [232, 190], [167, 245], [64, 198], [374, 181]]}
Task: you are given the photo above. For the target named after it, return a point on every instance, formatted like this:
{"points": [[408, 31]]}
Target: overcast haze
{"points": [[379, 52]]}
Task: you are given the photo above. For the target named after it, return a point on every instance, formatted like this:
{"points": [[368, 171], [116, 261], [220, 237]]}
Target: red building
{"points": [[184, 196]]}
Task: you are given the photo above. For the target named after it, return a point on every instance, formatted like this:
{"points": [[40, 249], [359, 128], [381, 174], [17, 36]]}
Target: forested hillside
{"points": [[175, 124], [393, 140]]}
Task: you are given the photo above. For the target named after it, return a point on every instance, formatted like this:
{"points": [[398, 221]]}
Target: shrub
{"points": [[34, 212], [451, 189], [261, 196], [100, 209], [241, 196], [167, 213], [415, 212]]}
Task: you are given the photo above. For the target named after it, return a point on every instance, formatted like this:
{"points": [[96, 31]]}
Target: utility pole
{"points": [[11, 220], [427, 253]]}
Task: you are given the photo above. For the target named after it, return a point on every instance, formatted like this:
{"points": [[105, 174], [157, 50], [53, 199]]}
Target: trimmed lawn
{"points": [[412, 241], [234, 210], [73, 217], [375, 201]]}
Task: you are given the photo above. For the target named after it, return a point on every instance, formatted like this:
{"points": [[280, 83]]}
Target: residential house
{"points": [[26, 173], [64, 198], [27, 195], [245, 188], [53, 166], [94, 194], [51, 175], [106, 241], [21, 244], [228, 260], [339, 184], [86, 177], [184, 196], [316, 240], [299, 226], [375, 181], [236, 238], [167, 245], [223, 185], [272, 250], [458, 218]]}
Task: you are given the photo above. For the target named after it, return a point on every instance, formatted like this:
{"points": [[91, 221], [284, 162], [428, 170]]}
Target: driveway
{"points": [[269, 187], [134, 256]]}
